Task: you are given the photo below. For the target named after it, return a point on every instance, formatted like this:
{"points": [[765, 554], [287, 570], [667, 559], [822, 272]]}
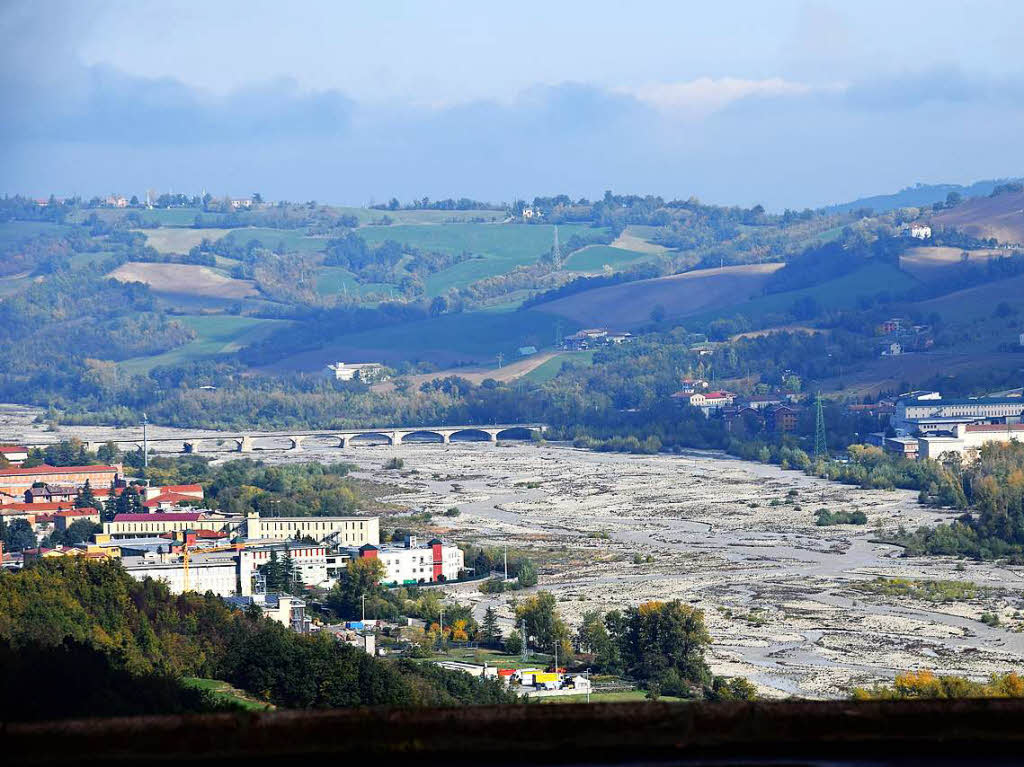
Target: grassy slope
{"points": [[226, 692], [840, 292], [446, 340], [215, 334], [552, 367], [178, 239], [332, 280], [16, 231], [500, 247], [594, 258]]}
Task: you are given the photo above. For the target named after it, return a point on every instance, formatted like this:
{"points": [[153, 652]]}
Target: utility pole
{"points": [[506, 562], [588, 685], [145, 442], [441, 638], [820, 443], [556, 251], [363, 599], [526, 641]]}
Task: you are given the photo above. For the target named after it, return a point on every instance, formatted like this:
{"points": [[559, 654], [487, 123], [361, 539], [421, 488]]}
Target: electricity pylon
{"points": [[820, 443]]}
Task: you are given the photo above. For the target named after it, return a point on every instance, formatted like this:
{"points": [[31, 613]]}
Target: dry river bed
{"points": [[777, 591]]}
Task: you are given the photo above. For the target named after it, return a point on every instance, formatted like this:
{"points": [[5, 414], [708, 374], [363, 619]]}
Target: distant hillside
{"points": [[630, 303], [1001, 217], [918, 196]]}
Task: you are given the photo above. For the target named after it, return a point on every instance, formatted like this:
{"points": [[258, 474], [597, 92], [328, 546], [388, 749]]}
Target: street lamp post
{"points": [[363, 598], [145, 442]]}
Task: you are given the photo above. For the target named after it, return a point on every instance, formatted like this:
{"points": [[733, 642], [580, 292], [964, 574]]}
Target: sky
{"points": [[790, 103]]}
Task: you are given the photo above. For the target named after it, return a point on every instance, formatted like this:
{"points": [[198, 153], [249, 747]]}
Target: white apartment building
{"points": [[411, 564], [966, 440], [216, 573], [941, 414]]}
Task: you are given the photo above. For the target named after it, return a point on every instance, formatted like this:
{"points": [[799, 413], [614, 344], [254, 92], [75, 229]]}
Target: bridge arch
{"points": [[371, 438], [472, 434], [421, 435], [324, 440], [271, 443], [516, 432]]}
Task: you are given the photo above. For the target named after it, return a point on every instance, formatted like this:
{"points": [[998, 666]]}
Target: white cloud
{"points": [[706, 95]]}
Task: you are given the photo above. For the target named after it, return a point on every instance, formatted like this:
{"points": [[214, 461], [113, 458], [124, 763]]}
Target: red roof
{"points": [[158, 517], [105, 491], [44, 469], [87, 511], [995, 427], [36, 506], [13, 449], [717, 395], [182, 489], [169, 498]]}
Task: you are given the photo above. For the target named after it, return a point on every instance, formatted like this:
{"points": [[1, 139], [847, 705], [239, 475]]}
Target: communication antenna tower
{"points": [[820, 443], [556, 251]]}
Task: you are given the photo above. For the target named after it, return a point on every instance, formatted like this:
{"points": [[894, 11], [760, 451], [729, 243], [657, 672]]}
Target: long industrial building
{"points": [[338, 531]]}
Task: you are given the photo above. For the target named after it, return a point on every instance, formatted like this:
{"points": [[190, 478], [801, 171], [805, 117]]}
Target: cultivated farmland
{"points": [[185, 279], [1001, 217], [932, 263], [180, 240], [680, 295]]}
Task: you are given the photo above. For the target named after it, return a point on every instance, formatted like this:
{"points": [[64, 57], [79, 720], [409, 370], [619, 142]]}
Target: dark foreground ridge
{"points": [[912, 732]]}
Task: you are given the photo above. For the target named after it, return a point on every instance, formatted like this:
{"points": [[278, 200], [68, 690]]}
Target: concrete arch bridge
{"points": [[247, 442]]}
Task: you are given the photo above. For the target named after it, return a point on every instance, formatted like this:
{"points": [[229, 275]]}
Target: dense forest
{"points": [[116, 646]]}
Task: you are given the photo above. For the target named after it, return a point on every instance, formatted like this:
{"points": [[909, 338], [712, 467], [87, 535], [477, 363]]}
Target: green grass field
{"points": [[332, 280], [365, 215], [226, 692], [548, 370], [451, 339], [501, 247], [16, 231], [594, 258], [471, 335], [294, 240], [215, 334]]}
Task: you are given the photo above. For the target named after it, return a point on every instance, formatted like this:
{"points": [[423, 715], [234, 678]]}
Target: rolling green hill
{"points": [[215, 334], [497, 248]]}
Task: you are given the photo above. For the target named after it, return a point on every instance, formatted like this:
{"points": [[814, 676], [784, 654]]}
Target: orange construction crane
{"points": [[186, 552]]}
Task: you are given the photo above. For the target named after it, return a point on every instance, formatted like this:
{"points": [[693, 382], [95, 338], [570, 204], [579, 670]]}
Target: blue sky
{"points": [[784, 103]]}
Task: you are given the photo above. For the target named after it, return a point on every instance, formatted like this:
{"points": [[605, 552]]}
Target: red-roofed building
{"points": [[158, 523], [14, 454], [193, 491], [62, 520], [169, 500], [16, 481]]}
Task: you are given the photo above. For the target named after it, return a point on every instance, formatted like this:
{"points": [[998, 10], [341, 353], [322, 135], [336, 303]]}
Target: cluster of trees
{"points": [[135, 643], [911, 685], [661, 645]]}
